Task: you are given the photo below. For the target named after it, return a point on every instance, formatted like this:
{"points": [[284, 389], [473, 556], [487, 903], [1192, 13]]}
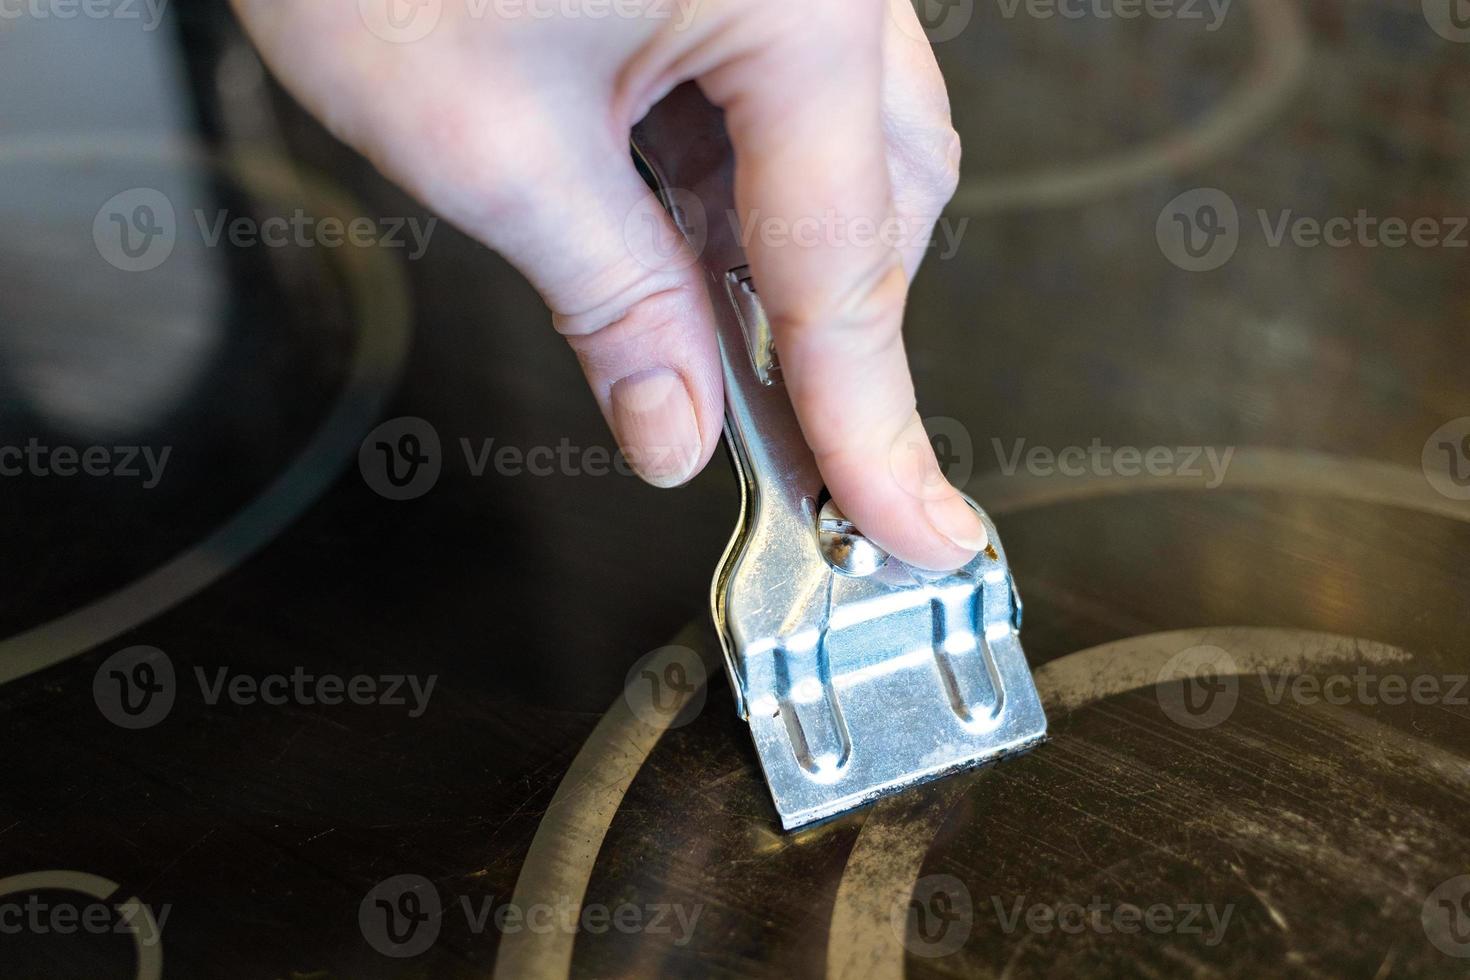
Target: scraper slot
{"points": [[759, 339], [966, 668], [810, 711]]}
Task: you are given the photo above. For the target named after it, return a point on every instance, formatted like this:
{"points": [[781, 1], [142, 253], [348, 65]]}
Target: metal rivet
{"points": [[844, 546]]}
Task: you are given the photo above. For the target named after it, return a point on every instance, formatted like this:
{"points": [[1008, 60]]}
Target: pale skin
{"points": [[515, 128]]}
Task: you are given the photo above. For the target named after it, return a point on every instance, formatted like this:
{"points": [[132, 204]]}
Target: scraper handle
{"points": [[684, 143]]}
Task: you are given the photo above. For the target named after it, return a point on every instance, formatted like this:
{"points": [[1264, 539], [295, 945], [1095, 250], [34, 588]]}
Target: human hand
{"points": [[511, 119]]}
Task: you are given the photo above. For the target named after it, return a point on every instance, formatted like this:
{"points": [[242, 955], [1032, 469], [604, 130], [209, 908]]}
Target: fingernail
{"points": [[653, 418], [954, 518]]}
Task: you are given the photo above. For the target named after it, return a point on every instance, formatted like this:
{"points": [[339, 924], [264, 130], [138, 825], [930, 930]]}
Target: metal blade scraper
{"points": [[859, 675]]}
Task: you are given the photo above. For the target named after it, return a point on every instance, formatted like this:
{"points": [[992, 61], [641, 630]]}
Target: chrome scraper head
{"points": [[858, 674]]}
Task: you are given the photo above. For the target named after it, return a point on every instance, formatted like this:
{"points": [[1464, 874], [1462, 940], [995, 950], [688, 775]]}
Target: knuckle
{"points": [[646, 306], [864, 319], [951, 149], [925, 152], [937, 163], [926, 162]]}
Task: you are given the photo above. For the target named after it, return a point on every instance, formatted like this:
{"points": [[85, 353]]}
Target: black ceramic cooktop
{"points": [[335, 642]]}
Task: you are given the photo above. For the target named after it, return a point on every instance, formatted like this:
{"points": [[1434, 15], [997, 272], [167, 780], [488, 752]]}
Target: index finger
{"points": [[804, 113]]}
